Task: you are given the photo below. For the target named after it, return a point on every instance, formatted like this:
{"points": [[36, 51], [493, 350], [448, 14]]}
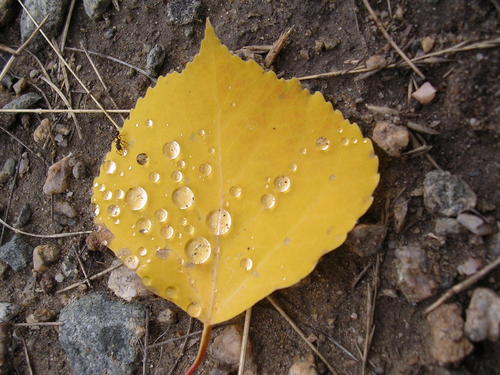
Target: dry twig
{"points": [[55, 235], [40, 111], [183, 347], [371, 298], [93, 277], [244, 341], [11, 194], [277, 47], [66, 25]]}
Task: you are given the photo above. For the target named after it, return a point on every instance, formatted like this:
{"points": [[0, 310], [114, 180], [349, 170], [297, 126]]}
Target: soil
{"points": [[465, 112]]}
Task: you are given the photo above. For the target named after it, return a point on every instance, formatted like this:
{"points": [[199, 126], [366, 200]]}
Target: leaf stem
{"points": [[205, 339]]}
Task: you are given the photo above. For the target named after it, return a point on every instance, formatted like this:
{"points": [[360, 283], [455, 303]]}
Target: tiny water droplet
{"points": [[332, 177], [113, 210], [247, 264], [177, 176], [121, 174], [171, 292], [181, 164], [268, 201], [293, 167], [202, 132], [323, 143], [146, 281], [183, 197], [372, 155], [354, 141], [235, 191], [219, 221], [365, 140], [233, 104], [282, 183], [143, 251], [172, 150], [102, 187], [344, 142], [162, 253], [189, 229], [137, 198], [107, 195], [149, 123], [116, 221], [194, 309], [167, 232], [303, 151], [97, 210], [205, 169], [198, 250], [340, 131], [109, 166], [119, 194], [211, 150], [154, 177], [132, 262], [161, 215], [143, 225]]}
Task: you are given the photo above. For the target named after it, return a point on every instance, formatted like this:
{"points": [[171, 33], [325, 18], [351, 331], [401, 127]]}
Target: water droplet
{"points": [[181, 164], [205, 169], [96, 184], [97, 210], [149, 123], [107, 195], [163, 253], [184, 221], [137, 198], [171, 292], [142, 158], [303, 151], [372, 155], [323, 143], [154, 176], [282, 183], [102, 187], [365, 140], [354, 141], [194, 309], [116, 221], [146, 281], [109, 166], [167, 232], [211, 150], [143, 251], [332, 177], [293, 167], [198, 250], [161, 215], [132, 262], [183, 197], [172, 150], [268, 201], [246, 263], [189, 229], [143, 225], [233, 104], [344, 142], [121, 174], [219, 221], [113, 210], [235, 191], [177, 176], [119, 194], [340, 131], [202, 132], [124, 252]]}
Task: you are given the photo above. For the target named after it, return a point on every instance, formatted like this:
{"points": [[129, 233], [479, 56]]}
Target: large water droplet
{"points": [[198, 250], [154, 176], [143, 225], [344, 142], [171, 292], [113, 210], [137, 198], [235, 191], [107, 195], [172, 150], [143, 251], [219, 221], [163, 253], [205, 169], [323, 143], [282, 183], [109, 166], [177, 176], [161, 215], [149, 123], [167, 232], [183, 197], [268, 201], [246, 263], [132, 262], [194, 309]]}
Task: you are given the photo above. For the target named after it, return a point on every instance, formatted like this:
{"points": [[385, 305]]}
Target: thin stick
{"points": [[66, 25], [391, 41], [39, 324], [69, 68], [157, 344], [146, 338], [23, 46], [7, 49], [371, 299], [83, 268], [55, 235], [460, 287], [360, 275], [93, 277], [277, 47], [244, 341], [11, 194], [301, 334], [22, 144], [26, 354], [41, 111], [202, 350]]}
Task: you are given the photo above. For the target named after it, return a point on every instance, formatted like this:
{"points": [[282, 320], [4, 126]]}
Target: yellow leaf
{"points": [[229, 183]]}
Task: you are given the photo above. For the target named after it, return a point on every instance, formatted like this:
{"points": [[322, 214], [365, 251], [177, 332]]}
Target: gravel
{"points": [[16, 253], [483, 316]]}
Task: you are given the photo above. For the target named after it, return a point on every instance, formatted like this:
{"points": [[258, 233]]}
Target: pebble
{"points": [[61, 141], [95, 8], [154, 60], [183, 12], [20, 86], [41, 315], [69, 267], [55, 9], [44, 255], [303, 366], [27, 296], [62, 129], [400, 211], [79, 170], [167, 316], [447, 225], [16, 253], [227, 346], [57, 177], [98, 241], [427, 44], [98, 335], [64, 208], [470, 266], [447, 194], [47, 283], [126, 284], [475, 224], [391, 138], [483, 316], [7, 11], [24, 164], [375, 62], [42, 131], [424, 94], [448, 342], [8, 311], [412, 278], [8, 169], [366, 239], [109, 33]]}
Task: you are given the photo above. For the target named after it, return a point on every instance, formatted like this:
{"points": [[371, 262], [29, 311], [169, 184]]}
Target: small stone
{"points": [[126, 284], [227, 346], [167, 316], [79, 170], [41, 315], [447, 194], [64, 208], [57, 177], [38, 261], [69, 267], [24, 165], [475, 224], [412, 279], [62, 129], [9, 167], [425, 93], [303, 366], [16, 253], [391, 138], [469, 267], [34, 73], [61, 141], [154, 60], [59, 277], [449, 344], [20, 86], [7, 11], [366, 239], [50, 252], [483, 316], [95, 8], [98, 241], [446, 226], [42, 131], [427, 44], [109, 33], [8, 311], [399, 213], [183, 12], [24, 216], [376, 62], [47, 283]]}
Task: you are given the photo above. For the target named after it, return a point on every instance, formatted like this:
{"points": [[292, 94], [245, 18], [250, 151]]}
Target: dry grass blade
{"points": [[93, 277], [40, 111], [277, 47], [301, 334], [39, 324], [56, 235], [7, 49], [11, 194], [66, 25], [460, 287], [244, 341]]}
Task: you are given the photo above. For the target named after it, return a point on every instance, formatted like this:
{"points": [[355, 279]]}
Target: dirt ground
{"points": [[465, 112]]}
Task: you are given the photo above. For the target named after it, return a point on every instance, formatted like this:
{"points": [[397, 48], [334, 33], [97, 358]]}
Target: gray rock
{"points": [[154, 60], [8, 311], [183, 12], [69, 267], [446, 226], [126, 284], [95, 8], [412, 277], [24, 101], [483, 316], [100, 336], [79, 170], [7, 10], [475, 224], [9, 167], [366, 239], [64, 208], [470, 266], [55, 9], [24, 216], [16, 253], [447, 194]]}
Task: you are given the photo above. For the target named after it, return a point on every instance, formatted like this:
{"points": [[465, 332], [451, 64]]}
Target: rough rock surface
{"points": [[366, 239], [16, 253], [57, 177], [126, 284], [100, 336], [155, 60], [183, 12], [8, 311], [483, 316], [95, 8]]}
